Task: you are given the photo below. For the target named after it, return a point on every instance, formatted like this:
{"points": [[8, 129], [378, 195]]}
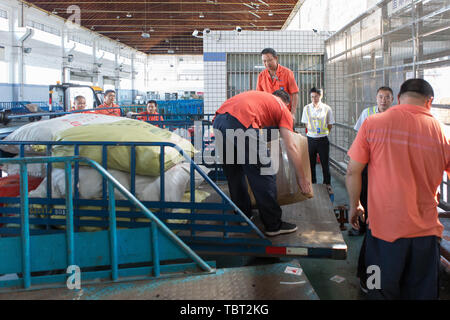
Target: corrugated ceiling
{"points": [[171, 23]]}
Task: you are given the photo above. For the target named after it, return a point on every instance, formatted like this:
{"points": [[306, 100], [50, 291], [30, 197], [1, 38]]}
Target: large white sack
{"points": [[46, 130], [90, 184], [34, 169], [147, 188]]}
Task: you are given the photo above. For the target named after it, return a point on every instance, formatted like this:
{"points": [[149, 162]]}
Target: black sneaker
{"points": [[354, 232], [285, 228]]}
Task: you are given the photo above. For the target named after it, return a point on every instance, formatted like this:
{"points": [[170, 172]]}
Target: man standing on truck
{"points": [[276, 77], [247, 113], [407, 152], [110, 97]]}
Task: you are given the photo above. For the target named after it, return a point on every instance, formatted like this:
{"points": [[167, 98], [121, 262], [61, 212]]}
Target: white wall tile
{"points": [[250, 42]]}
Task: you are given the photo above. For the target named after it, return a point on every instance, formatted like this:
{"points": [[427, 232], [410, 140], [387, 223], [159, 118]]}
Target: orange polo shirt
{"points": [[145, 116], [258, 109], [407, 152], [110, 112], [284, 80]]}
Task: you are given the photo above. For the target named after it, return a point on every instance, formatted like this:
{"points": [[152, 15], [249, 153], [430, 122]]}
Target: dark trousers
{"points": [[263, 187], [361, 273], [409, 267], [319, 146]]}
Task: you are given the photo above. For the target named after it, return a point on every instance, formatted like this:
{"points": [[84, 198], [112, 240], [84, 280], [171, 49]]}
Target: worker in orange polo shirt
{"points": [[79, 104], [245, 114], [276, 77], [151, 114], [407, 152], [109, 99]]}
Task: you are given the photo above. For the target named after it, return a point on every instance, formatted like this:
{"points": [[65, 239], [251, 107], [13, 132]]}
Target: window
{"points": [[3, 14], [42, 27]]}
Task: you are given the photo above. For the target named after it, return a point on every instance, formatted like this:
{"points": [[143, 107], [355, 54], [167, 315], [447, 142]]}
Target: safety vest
{"points": [[317, 125], [372, 110]]}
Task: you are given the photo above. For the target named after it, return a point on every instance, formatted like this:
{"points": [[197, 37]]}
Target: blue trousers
{"points": [[409, 267], [263, 187]]}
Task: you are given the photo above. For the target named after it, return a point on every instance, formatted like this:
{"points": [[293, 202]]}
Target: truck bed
{"points": [[318, 233]]}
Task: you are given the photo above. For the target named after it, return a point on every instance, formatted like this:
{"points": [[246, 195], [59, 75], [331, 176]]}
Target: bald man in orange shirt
{"points": [[407, 152]]}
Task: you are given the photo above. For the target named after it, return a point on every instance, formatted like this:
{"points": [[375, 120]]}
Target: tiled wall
{"points": [[219, 43]]}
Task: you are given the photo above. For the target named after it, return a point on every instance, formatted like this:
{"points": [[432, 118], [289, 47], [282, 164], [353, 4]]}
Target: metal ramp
{"points": [[318, 234], [264, 282]]}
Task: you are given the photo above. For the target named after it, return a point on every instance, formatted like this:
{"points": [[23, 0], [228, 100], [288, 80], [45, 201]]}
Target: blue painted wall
{"points": [[10, 92]]}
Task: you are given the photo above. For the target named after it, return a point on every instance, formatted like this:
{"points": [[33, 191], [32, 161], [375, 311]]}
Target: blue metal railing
{"points": [[112, 184], [173, 109], [19, 106], [216, 212], [196, 125]]}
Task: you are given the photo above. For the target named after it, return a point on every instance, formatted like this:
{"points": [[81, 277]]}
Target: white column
{"points": [[133, 78], [64, 77], [13, 52]]}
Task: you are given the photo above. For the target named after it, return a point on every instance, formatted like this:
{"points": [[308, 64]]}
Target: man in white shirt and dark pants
{"points": [[319, 120]]}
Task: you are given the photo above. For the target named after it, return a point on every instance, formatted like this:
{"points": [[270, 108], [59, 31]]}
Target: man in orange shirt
{"points": [[110, 97], [79, 103], [407, 152], [150, 115], [276, 77], [249, 112]]}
